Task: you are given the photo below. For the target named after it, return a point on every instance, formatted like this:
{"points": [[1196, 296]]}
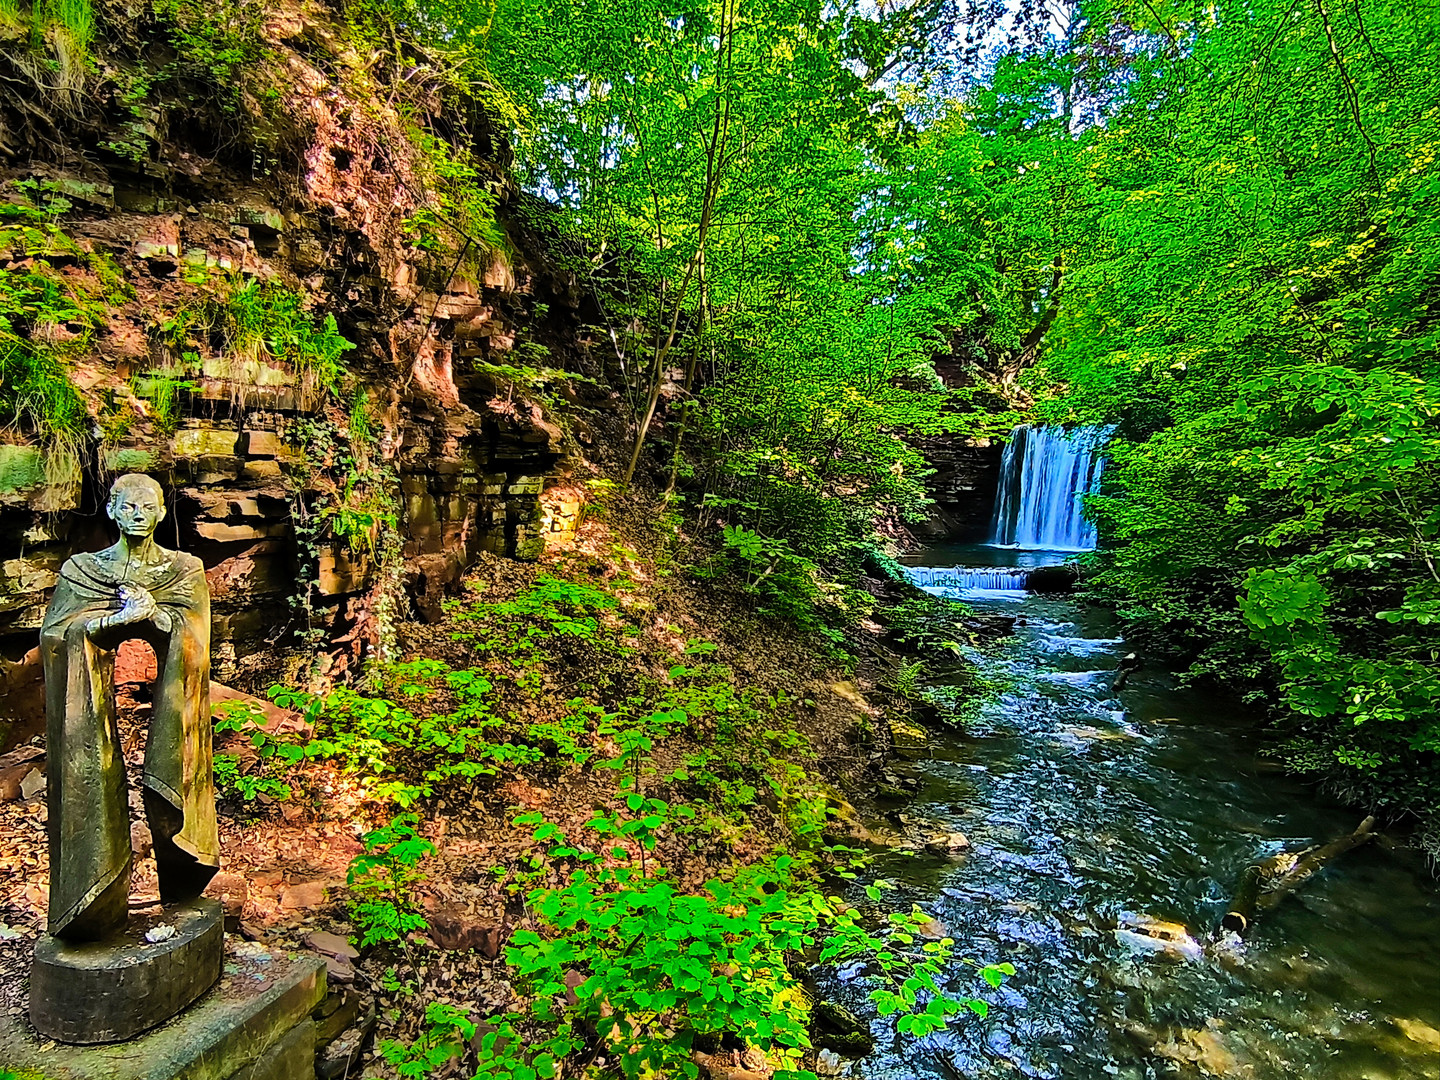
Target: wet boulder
{"points": [[950, 845], [1052, 579], [836, 1028], [1169, 940]]}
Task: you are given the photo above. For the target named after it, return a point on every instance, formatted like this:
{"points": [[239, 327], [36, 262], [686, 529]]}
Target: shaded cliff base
{"points": [[963, 486]]}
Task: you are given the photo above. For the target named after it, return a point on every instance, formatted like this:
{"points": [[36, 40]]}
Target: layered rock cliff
{"points": [[966, 468], [318, 311]]}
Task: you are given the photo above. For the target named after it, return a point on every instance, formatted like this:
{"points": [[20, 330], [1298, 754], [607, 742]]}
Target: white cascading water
{"points": [[1044, 472]]}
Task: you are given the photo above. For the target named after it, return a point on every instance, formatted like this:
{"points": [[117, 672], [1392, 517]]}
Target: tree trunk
{"points": [[1284, 874]]}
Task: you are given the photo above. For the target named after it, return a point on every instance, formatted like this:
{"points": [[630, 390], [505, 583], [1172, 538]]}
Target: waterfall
{"points": [[1043, 473], [999, 578]]}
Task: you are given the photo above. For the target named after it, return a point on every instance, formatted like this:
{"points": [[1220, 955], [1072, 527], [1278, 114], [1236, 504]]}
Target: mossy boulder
{"points": [[21, 468]]}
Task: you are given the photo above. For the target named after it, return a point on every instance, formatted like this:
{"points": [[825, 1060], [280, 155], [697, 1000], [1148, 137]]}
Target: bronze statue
{"points": [[133, 589]]}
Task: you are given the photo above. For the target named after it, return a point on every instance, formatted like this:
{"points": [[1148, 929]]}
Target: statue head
{"points": [[137, 505]]}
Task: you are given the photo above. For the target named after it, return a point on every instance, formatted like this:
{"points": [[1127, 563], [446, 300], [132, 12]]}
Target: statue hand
{"points": [[142, 605], [132, 609], [138, 605]]}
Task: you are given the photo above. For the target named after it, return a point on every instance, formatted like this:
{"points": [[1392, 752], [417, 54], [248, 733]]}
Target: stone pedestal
{"points": [[253, 1025], [111, 990]]}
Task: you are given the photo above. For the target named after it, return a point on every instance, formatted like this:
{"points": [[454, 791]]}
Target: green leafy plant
{"points": [[267, 319], [662, 968], [52, 301], [165, 391], [642, 824], [786, 584], [133, 89], [523, 630], [909, 964], [274, 756], [460, 204], [907, 679], [219, 45], [229, 778], [442, 731], [448, 1030], [383, 879]]}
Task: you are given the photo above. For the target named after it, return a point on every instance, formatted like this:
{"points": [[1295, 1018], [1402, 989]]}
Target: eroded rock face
{"points": [[464, 482], [967, 472], [472, 465]]}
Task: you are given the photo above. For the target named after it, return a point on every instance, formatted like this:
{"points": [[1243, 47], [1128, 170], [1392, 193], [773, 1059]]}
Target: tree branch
{"points": [[1350, 93]]}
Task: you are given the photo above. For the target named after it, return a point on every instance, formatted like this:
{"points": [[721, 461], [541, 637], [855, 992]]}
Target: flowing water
{"points": [[1044, 473], [1089, 813], [969, 579]]}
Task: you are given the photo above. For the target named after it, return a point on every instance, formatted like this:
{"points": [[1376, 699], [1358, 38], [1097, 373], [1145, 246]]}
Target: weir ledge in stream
{"points": [[1058, 578]]}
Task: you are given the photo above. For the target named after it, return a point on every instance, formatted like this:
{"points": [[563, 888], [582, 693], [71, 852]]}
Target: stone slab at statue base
{"points": [[254, 1024], [112, 990]]}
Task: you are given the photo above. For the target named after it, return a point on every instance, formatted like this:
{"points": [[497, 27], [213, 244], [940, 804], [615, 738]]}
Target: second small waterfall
{"points": [[1043, 474], [966, 578]]}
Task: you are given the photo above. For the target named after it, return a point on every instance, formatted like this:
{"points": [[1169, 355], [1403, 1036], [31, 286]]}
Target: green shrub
{"points": [[446, 732], [218, 44], [660, 970], [787, 585], [448, 1031], [523, 631], [274, 756], [383, 881], [461, 205]]}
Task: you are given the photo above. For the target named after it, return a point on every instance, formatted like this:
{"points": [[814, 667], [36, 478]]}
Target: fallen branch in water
{"points": [[1263, 885], [1123, 670]]}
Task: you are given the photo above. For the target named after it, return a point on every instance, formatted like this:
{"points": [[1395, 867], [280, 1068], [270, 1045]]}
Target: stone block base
{"points": [[292, 1058], [112, 990], [254, 1024]]}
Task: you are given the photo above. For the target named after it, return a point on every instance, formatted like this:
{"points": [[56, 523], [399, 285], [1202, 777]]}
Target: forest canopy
{"points": [[1210, 227]]}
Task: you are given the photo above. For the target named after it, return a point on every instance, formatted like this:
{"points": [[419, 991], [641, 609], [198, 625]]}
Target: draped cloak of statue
{"points": [[89, 825]]}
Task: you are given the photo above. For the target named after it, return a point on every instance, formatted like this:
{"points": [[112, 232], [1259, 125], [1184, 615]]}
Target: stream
{"points": [[1089, 813]]}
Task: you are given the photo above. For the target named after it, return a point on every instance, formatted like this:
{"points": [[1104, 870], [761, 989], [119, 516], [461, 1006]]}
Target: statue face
{"points": [[137, 509]]}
